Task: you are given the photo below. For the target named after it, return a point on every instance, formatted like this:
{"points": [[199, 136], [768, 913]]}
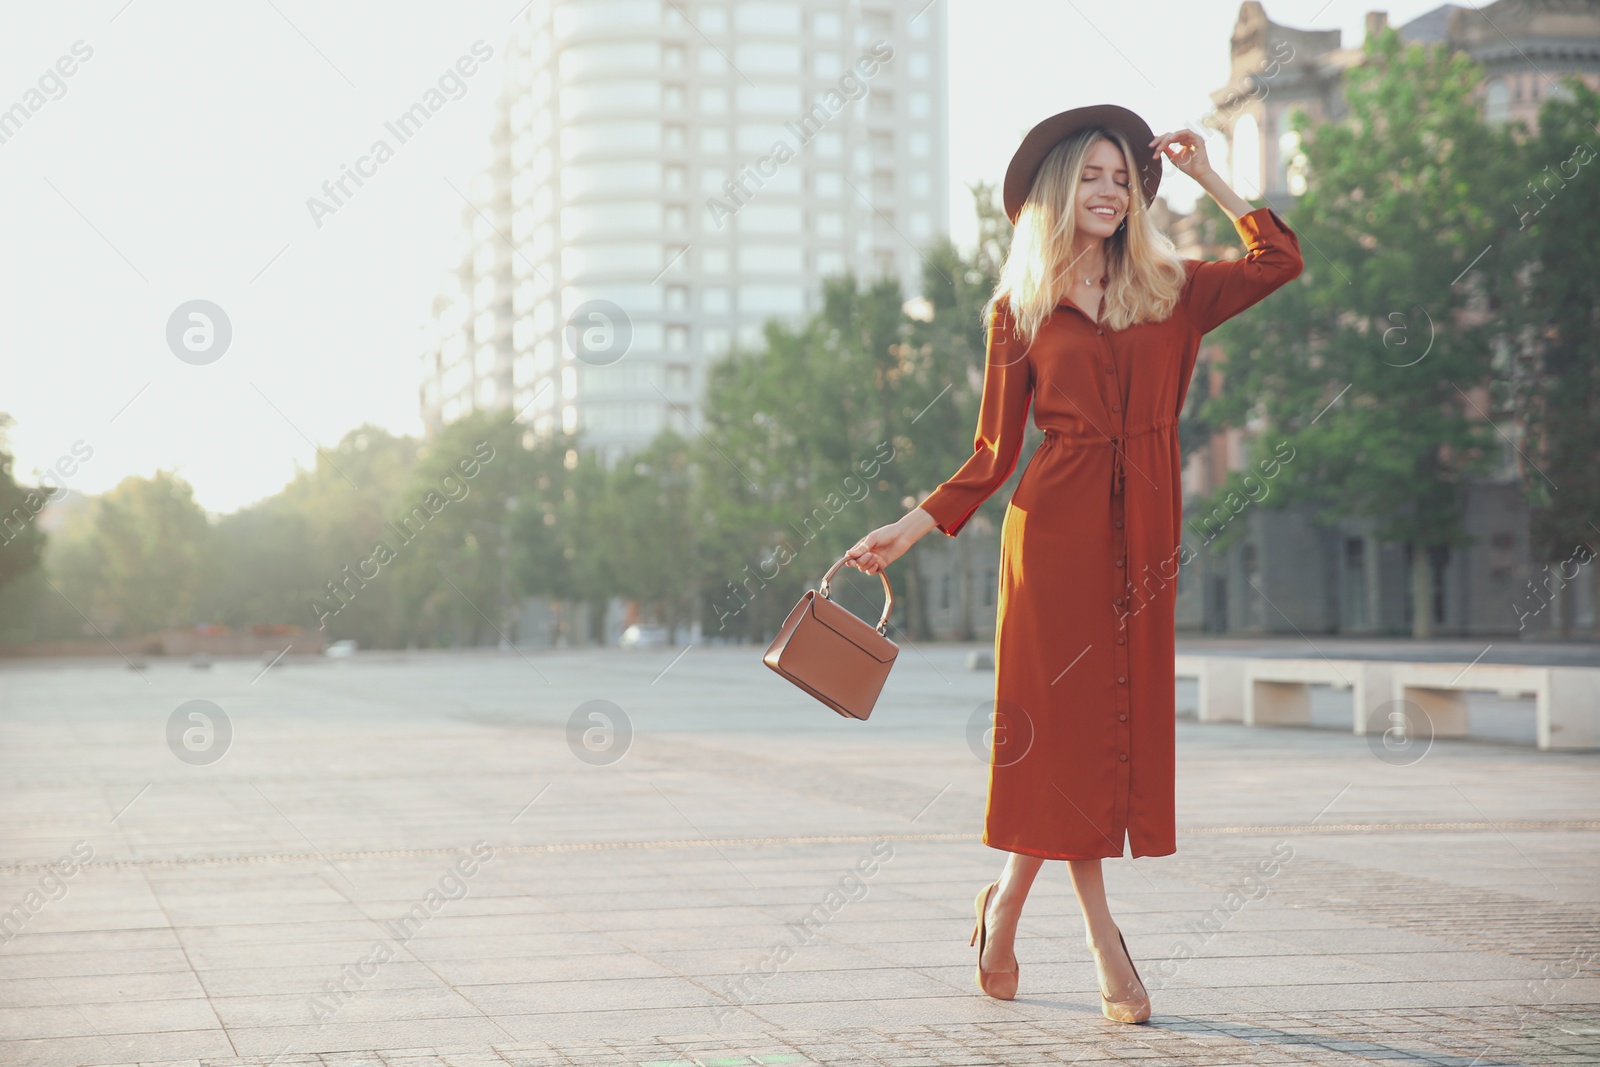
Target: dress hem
{"points": [[1048, 855]]}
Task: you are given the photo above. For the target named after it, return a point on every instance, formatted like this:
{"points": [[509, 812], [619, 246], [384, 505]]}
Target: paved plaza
{"points": [[673, 857]]}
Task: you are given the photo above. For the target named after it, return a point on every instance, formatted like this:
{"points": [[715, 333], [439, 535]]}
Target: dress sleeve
{"points": [[1002, 422], [1220, 289]]}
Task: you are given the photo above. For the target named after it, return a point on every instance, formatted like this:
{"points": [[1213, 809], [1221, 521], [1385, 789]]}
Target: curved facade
{"points": [[673, 175]]}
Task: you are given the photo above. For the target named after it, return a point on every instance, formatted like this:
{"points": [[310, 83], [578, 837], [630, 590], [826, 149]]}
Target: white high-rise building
{"points": [[670, 174]]}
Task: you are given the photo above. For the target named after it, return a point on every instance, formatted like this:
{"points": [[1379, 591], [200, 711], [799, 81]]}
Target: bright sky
{"points": [[176, 163]]}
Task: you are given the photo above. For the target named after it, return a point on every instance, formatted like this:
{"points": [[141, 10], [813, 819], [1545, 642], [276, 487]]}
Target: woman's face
{"points": [[1103, 191]]}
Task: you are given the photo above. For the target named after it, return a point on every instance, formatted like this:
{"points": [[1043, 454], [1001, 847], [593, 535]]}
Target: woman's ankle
{"points": [[1101, 935]]}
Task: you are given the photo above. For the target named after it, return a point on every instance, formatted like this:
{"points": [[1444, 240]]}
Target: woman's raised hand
{"points": [[1186, 150]]}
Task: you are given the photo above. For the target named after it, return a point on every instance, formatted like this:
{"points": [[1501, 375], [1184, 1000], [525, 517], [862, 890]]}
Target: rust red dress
{"points": [[1083, 741]]}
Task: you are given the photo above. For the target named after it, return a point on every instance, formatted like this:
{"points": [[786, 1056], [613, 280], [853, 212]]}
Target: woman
{"points": [[1096, 322]]}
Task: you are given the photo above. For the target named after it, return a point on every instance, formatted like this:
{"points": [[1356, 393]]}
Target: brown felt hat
{"points": [[1053, 130]]}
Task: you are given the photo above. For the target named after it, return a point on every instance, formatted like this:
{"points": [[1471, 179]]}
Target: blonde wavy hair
{"points": [[1146, 272]]}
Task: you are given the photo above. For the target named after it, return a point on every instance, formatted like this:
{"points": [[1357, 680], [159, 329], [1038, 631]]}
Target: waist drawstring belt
{"points": [[1119, 447]]}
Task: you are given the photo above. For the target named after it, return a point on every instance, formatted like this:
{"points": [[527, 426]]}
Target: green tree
{"points": [[798, 456], [1392, 321], [644, 529], [150, 549], [943, 385], [297, 556], [451, 532], [21, 546], [1553, 373], [561, 491], [840, 425]]}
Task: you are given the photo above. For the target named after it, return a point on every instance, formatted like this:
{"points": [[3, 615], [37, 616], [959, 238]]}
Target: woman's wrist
{"points": [[917, 522]]}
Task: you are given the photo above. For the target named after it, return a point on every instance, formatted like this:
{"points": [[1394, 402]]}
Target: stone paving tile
{"points": [[98, 988], [398, 973]]}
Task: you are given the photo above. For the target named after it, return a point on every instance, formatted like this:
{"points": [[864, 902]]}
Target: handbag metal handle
{"points": [[888, 593]]}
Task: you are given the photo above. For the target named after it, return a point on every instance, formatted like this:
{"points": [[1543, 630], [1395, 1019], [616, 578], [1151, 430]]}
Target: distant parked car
{"points": [[644, 637], [342, 649]]}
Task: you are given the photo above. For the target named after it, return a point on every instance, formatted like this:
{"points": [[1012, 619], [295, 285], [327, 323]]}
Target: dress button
{"points": [[1122, 640], [1122, 718], [1118, 524], [1120, 562], [1110, 370], [1115, 408], [1118, 602], [1124, 757], [1122, 679], [1100, 331]]}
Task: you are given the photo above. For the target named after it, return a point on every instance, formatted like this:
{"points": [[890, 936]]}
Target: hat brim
{"points": [[1049, 133]]}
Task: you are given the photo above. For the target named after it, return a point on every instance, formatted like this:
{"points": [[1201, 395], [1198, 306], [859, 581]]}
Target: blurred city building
{"points": [[665, 178]]}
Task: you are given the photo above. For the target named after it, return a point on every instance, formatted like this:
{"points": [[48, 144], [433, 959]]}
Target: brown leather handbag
{"points": [[833, 655]]}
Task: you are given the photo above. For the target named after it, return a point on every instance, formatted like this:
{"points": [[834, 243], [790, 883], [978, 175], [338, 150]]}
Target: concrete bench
{"points": [[1221, 680], [1566, 699], [1277, 692]]}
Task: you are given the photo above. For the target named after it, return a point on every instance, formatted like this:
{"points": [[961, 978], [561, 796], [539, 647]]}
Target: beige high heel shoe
{"points": [[1133, 1010], [1002, 985]]}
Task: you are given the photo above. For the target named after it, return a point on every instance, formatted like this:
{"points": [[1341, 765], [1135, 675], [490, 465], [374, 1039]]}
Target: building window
{"points": [[1496, 101], [783, 259], [1439, 560], [1502, 556], [1246, 157], [1295, 164], [1355, 581], [781, 19]]}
